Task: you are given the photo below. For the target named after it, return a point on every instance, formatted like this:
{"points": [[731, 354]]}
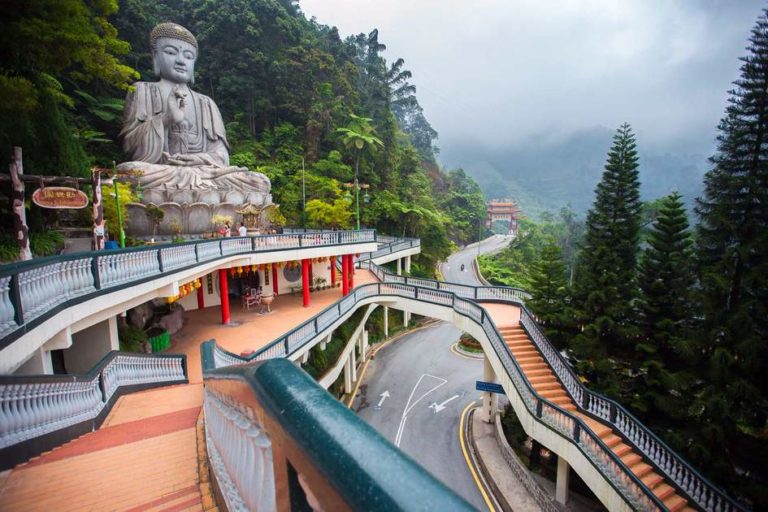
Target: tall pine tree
{"points": [[605, 281], [732, 247], [549, 295], [666, 281]]}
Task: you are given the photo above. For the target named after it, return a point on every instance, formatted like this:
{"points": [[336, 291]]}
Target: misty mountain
{"points": [[548, 174]]}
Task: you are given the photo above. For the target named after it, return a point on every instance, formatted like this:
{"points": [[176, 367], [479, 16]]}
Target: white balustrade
{"points": [[29, 410], [177, 256], [32, 409], [235, 245], [240, 453], [7, 313], [208, 250], [222, 358]]}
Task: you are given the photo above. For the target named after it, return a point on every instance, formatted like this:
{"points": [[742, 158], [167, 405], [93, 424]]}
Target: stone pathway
{"points": [[143, 458]]}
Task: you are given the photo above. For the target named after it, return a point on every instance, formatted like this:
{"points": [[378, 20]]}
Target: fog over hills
{"points": [[547, 175]]}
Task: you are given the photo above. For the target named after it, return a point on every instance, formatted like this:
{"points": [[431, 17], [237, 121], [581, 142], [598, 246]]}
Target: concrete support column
{"points": [[563, 476], [348, 375], [363, 345], [305, 282], [399, 266], [490, 400], [353, 364], [386, 322], [326, 341], [39, 364], [305, 357], [90, 345], [224, 288], [408, 264], [406, 318], [333, 271]]}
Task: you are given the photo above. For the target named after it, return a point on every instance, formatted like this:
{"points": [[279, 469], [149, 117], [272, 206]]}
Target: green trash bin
{"points": [[159, 339]]}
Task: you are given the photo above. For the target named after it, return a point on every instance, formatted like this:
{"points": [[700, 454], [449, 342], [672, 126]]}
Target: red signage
{"points": [[59, 197]]}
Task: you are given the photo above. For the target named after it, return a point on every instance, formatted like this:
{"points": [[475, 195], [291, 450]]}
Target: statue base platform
{"points": [[182, 218]]}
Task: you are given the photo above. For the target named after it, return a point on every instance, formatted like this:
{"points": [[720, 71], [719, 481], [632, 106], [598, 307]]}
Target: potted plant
{"points": [[155, 216]]}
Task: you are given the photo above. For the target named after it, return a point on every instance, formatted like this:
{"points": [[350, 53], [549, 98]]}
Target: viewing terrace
{"points": [[273, 438]]}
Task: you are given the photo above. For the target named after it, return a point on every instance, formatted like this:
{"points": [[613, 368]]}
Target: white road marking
{"points": [[384, 396], [439, 407], [409, 405]]}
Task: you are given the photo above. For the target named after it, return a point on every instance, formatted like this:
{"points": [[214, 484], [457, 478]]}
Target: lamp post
{"points": [[366, 198]]}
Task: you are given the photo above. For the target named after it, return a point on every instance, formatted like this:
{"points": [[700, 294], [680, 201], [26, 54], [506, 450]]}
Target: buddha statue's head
{"points": [[174, 51]]}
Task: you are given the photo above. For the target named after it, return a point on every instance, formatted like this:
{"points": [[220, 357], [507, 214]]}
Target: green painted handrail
{"points": [[341, 459]]}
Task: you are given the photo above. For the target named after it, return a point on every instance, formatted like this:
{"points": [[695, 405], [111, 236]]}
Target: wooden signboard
{"points": [[60, 198]]}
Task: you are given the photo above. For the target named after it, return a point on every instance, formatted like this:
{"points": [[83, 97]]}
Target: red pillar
{"points": [[200, 298], [344, 275], [333, 271], [305, 281], [351, 266], [224, 288], [274, 279]]}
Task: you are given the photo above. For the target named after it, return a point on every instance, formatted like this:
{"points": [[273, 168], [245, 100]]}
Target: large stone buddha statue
{"points": [[176, 137]]}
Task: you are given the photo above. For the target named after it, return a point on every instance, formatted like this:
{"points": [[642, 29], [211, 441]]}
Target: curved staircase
{"points": [[546, 384]]}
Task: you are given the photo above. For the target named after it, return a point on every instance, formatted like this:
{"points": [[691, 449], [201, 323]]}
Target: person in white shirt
{"points": [[242, 230]]}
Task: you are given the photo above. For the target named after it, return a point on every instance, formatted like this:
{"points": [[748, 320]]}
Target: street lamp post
{"points": [[357, 186]]}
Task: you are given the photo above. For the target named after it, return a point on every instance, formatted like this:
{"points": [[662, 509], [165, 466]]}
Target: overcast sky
{"points": [[514, 72]]}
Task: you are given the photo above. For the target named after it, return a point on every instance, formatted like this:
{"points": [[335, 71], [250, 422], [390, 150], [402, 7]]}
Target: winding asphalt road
{"points": [[416, 388]]}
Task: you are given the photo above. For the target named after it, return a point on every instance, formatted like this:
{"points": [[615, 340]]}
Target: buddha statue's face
{"points": [[175, 60]]}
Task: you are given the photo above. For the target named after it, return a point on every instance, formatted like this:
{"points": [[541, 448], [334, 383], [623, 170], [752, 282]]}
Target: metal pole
{"points": [[303, 197], [357, 201], [119, 213]]}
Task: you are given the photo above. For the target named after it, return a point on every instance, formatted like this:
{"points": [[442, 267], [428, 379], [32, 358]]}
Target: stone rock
{"points": [[140, 315], [173, 321]]}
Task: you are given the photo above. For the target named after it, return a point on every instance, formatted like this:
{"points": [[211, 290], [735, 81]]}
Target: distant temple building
{"points": [[504, 210]]}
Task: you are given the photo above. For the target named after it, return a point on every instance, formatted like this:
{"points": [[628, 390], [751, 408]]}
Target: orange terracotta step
{"points": [[546, 385], [641, 469], [675, 503], [530, 359], [536, 374], [561, 401], [622, 449], [663, 491], [652, 480], [611, 440], [550, 394], [524, 352], [631, 458]]}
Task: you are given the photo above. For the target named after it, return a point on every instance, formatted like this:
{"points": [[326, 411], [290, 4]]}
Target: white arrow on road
{"points": [[439, 407], [384, 396]]}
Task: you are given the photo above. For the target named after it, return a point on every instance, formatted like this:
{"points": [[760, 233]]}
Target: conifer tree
{"points": [[549, 294], [605, 281], [666, 279], [732, 246]]}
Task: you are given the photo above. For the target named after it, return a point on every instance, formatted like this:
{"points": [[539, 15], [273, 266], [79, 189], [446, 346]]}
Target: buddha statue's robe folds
{"points": [[190, 156]]}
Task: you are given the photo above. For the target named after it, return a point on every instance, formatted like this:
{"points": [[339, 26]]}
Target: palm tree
{"points": [[359, 135]]}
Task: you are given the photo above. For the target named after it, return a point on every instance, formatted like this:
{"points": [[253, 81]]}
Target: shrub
{"points": [[131, 338]]}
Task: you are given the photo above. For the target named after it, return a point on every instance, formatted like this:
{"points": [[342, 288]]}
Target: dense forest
{"points": [[669, 319], [291, 92]]}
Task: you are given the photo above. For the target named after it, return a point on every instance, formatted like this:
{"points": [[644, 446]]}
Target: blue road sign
{"points": [[489, 386]]}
